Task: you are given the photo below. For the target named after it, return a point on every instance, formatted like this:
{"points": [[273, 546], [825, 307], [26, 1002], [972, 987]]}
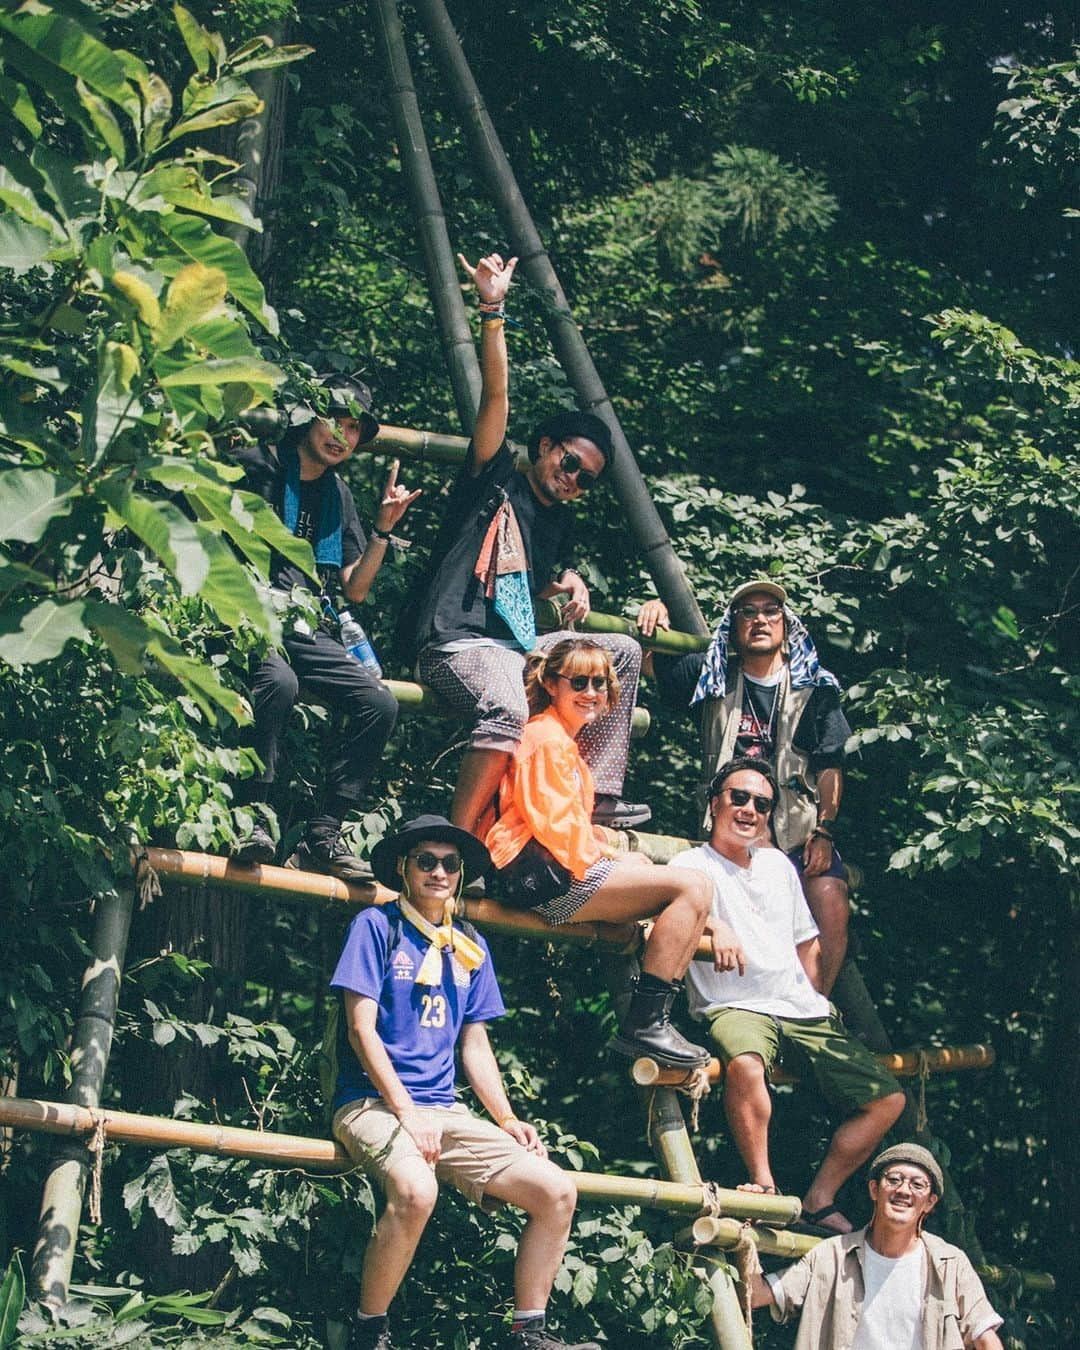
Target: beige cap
{"points": [[916, 1156], [761, 584]]}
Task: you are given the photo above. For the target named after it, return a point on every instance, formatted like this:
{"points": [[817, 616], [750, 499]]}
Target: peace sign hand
{"points": [[396, 500], [491, 276]]}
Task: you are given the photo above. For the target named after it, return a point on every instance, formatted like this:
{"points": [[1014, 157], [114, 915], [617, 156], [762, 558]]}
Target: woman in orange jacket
{"points": [[554, 861]]}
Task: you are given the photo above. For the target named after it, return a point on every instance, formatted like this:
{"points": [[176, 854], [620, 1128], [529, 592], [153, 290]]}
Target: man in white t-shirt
{"points": [[889, 1286], [762, 997]]}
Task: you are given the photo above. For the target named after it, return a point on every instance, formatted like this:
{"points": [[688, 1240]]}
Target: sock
{"points": [[370, 1317], [524, 1317], [652, 984]]}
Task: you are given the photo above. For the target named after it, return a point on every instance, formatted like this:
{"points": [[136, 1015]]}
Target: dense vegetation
{"points": [[823, 255]]}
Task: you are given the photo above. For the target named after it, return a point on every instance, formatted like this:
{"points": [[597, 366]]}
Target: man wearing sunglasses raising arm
{"points": [[765, 1006], [505, 539], [414, 985]]}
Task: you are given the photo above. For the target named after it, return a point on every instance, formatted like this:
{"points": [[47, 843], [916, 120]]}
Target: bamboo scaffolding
{"points": [[647, 1072], [427, 211], [65, 1181], [642, 516], [418, 698], [326, 1156], [710, 1231]]}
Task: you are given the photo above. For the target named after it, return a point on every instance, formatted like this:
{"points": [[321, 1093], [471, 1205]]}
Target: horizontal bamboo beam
{"points": [[429, 447], [667, 640], [208, 869], [324, 1155], [646, 1072], [418, 698], [708, 1231]]}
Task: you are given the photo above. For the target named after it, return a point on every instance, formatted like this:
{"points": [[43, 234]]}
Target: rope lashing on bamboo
{"points": [[147, 881], [748, 1264], [97, 1153], [922, 1123], [696, 1087]]}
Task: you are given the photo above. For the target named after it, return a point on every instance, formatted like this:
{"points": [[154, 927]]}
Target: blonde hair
{"points": [[569, 657]]}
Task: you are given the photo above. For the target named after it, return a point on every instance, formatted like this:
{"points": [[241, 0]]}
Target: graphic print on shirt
{"points": [[757, 720]]}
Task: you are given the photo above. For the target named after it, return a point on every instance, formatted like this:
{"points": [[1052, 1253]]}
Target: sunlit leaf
{"points": [[40, 632], [29, 500]]}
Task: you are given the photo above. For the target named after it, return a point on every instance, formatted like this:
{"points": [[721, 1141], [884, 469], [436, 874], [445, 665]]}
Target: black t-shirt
{"points": [[264, 474], [452, 604], [821, 732]]}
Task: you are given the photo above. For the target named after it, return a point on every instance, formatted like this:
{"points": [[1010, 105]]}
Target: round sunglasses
{"points": [[741, 797], [571, 464], [427, 862]]}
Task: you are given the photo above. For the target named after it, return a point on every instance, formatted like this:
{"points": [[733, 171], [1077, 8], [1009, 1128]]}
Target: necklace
{"points": [[763, 735]]}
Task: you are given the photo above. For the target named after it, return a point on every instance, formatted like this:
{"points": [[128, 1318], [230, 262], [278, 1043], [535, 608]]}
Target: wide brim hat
{"points": [[772, 588], [916, 1156], [389, 849]]}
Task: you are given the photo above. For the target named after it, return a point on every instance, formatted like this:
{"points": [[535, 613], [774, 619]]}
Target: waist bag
{"points": [[533, 878]]}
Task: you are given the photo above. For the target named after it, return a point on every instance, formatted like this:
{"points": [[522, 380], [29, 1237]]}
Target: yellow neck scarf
{"points": [[466, 955]]}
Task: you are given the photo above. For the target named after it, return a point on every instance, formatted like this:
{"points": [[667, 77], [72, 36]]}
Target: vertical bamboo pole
{"points": [[65, 1182], [253, 139], [675, 1153], [645, 523], [457, 339]]}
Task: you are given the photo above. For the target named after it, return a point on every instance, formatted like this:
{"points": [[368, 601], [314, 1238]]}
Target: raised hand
{"points": [[491, 276], [396, 499]]}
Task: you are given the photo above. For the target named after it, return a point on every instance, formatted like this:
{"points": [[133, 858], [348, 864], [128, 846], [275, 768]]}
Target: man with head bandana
{"points": [[776, 702]]}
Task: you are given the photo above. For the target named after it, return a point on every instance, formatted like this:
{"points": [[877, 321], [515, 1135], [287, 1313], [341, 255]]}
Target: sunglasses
{"points": [[740, 797], [571, 463], [427, 862], [750, 612], [579, 683]]}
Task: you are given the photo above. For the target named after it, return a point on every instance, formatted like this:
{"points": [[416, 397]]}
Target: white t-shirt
{"points": [[892, 1302], [765, 905]]}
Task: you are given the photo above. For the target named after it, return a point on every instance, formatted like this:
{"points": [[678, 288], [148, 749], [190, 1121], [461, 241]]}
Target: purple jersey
{"points": [[419, 1024]]}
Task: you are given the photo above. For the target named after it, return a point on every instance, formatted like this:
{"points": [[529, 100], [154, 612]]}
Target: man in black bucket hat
{"points": [[414, 986], [302, 483], [890, 1284]]}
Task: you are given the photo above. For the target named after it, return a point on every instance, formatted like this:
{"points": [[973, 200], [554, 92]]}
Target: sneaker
{"points": [[536, 1336], [257, 846], [369, 1333], [332, 858], [615, 814]]}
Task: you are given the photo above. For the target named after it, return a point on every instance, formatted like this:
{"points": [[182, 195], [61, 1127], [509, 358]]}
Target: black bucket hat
{"points": [[388, 850], [347, 393]]}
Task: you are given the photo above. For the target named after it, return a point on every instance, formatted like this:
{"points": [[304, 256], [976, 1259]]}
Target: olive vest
{"points": [[797, 811]]}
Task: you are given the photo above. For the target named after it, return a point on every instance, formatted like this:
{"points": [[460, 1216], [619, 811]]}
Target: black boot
{"points": [[257, 845], [369, 1333], [534, 1335], [322, 849], [647, 1028]]}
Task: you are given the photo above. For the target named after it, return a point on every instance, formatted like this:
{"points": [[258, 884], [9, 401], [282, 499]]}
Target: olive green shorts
{"points": [[846, 1073]]}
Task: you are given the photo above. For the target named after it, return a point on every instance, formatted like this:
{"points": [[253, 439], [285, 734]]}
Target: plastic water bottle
{"points": [[357, 643]]}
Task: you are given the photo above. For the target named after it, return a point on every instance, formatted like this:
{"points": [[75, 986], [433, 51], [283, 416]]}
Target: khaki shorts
{"points": [[846, 1073], [473, 1150]]}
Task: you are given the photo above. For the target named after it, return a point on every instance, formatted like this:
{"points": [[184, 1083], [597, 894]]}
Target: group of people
{"points": [[541, 778]]}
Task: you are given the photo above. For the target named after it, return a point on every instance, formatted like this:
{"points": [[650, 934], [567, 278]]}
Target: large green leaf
{"points": [[12, 1297], [29, 499], [38, 633], [25, 204], [101, 115], [196, 39], [276, 56], [66, 44], [199, 680], [197, 240], [112, 407], [231, 370], [193, 293], [124, 632], [16, 97], [23, 245], [167, 532]]}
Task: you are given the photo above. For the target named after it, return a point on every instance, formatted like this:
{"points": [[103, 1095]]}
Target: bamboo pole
{"points": [[65, 1181], [644, 520], [707, 1231], [209, 869], [647, 1072], [252, 136], [418, 698], [443, 284]]}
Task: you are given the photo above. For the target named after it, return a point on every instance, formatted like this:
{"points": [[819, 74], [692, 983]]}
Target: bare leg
{"points": [[851, 1145], [679, 897], [478, 781], [548, 1196], [828, 901], [748, 1107], [411, 1192]]}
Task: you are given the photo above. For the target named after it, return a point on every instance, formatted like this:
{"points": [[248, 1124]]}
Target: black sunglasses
{"points": [[740, 797], [427, 862], [579, 683], [571, 463]]}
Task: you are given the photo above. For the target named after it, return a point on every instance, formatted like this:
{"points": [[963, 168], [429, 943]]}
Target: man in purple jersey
{"points": [[413, 987]]}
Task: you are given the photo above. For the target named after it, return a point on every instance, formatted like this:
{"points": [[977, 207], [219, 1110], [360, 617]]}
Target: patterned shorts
{"points": [[563, 908]]}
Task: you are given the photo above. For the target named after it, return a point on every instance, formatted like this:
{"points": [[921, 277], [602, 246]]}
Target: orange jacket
{"points": [[547, 794]]}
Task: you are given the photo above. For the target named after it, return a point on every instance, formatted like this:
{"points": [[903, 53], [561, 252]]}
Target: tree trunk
{"points": [[1064, 1092]]}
